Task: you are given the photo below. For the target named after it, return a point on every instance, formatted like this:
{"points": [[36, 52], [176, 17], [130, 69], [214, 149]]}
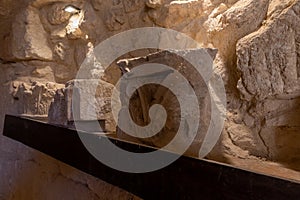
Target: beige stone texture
{"points": [[149, 95], [93, 98], [43, 46]]}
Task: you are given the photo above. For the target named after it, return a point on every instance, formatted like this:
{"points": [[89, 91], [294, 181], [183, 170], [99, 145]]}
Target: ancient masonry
{"points": [[44, 43]]}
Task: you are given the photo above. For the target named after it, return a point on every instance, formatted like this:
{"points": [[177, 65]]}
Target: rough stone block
{"points": [[91, 98], [151, 94]]}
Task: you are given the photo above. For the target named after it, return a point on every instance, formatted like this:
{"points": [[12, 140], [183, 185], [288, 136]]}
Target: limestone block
{"points": [[59, 110], [175, 13], [115, 19], [35, 98], [244, 138], [45, 73], [148, 95], [64, 73], [268, 59], [132, 5], [92, 99], [29, 39], [57, 15]]}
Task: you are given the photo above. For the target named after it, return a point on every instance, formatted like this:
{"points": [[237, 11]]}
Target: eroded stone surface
{"points": [[149, 95], [268, 58], [34, 99], [268, 63], [258, 43], [29, 39], [93, 98]]}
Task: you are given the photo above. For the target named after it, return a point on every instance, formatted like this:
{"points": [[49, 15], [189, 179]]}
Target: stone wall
{"points": [[42, 47]]}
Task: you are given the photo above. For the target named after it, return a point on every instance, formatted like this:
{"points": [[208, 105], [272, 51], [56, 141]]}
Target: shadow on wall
{"points": [[287, 146]]}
